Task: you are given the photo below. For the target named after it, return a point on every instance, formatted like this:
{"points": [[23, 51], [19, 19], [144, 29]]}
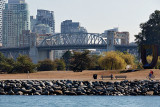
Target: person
{"points": [[111, 76], [150, 74]]}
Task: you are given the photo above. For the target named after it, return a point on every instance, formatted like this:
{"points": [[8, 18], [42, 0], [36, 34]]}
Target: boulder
{"points": [[110, 89], [69, 93], [19, 93], [58, 92]]}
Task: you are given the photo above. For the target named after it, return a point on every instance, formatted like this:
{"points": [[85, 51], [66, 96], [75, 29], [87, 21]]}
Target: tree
{"points": [[150, 32], [46, 65], [67, 57], [23, 64], [6, 64], [112, 61], [128, 58], [2, 57], [94, 62], [80, 61], [60, 64], [6, 67]]}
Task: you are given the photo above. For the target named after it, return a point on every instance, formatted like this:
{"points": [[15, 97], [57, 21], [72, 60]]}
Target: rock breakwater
{"points": [[68, 87]]}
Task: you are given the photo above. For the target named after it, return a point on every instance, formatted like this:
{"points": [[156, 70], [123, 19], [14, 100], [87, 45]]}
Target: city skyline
{"points": [[98, 16]]}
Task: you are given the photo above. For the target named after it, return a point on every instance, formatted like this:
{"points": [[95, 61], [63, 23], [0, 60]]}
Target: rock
{"points": [[69, 81], [69, 93], [38, 88], [45, 93], [57, 88], [49, 83], [19, 93], [80, 93], [110, 89], [36, 93], [60, 83], [42, 84], [16, 90], [18, 85], [11, 92], [149, 93], [68, 87], [58, 92], [2, 91]]}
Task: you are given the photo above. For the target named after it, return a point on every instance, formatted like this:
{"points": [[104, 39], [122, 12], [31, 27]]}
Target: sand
{"points": [[85, 75]]}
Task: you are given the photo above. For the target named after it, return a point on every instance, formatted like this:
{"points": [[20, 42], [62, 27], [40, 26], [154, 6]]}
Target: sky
{"points": [[99, 15]]}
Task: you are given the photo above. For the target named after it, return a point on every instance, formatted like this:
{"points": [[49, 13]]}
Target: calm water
{"points": [[79, 101]]}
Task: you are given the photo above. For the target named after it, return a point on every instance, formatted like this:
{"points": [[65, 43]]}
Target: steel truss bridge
{"points": [[39, 50], [73, 41]]}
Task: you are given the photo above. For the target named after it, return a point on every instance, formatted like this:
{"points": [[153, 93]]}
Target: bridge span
{"points": [[40, 50]]}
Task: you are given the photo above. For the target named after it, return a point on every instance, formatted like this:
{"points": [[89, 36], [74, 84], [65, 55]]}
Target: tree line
{"points": [[73, 61]]}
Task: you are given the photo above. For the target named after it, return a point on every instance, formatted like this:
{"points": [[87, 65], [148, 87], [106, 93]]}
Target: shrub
{"points": [[6, 64], [46, 65], [23, 64], [5, 67], [60, 64]]}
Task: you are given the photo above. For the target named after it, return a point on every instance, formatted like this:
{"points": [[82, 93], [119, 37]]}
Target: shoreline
{"points": [[74, 87]]}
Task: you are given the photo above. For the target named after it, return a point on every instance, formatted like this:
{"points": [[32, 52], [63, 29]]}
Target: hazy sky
{"points": [[99, 15]]}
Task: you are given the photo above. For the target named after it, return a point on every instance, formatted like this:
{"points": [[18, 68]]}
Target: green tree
{"points": [[94, 62], [6, 67], [150, 32], [2, 57], [80, 61], [23, 64], [112, 61], [128, 58], [6, 64], [67, 57], [46, 65], [60, 64]]}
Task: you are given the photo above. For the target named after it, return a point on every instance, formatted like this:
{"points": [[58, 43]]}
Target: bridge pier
{"points": [[45, 54], [33, 54], [110, 41]]}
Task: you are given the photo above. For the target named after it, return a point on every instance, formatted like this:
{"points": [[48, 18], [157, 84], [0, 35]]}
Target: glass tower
{"points": [[2, 5], [46, 17], [15, 20]]}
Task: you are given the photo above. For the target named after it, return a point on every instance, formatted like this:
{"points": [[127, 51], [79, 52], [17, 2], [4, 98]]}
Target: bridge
{"points": [[42, 49]]}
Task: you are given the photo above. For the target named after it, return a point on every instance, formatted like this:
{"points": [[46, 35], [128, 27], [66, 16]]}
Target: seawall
{"points": [[69, 87]]}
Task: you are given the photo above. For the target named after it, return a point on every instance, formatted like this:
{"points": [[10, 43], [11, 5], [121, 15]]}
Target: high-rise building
{"points": [[33, 23], [106, 31], [68, 26], [15, 20], [46, 17], [42, 29], [2, 5]]}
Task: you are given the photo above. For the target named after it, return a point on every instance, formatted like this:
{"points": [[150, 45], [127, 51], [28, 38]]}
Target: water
{"points": [[79, 101]]}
